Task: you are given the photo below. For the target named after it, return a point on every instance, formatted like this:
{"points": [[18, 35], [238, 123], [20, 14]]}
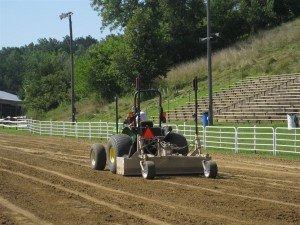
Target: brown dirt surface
{"points": [[48, 180]]}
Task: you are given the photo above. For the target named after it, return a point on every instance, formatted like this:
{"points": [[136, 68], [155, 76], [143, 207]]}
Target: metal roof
{"points": [[9, 97]]}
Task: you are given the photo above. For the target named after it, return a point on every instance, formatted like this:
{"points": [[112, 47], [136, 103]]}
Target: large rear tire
{"points": [[178, 140], [97, 157], [210, 169], [118, 146]]}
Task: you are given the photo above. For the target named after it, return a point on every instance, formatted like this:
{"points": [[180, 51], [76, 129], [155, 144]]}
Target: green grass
{"points": [[14, 131]]}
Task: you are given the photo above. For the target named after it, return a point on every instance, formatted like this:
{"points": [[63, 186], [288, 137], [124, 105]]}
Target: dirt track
{"points": [[48, 181]]}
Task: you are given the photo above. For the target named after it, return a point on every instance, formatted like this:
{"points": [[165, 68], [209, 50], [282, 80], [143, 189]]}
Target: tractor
{"points": [[144, 149]]}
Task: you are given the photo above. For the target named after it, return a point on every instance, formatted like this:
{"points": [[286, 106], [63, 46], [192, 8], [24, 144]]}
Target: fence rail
{"points": [[256, 139]]}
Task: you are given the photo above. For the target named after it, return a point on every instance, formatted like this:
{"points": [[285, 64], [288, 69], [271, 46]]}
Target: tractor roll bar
{"points": [[136, 103]]}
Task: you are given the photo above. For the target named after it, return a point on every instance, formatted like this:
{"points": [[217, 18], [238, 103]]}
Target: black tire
{"points": [[211, 169], [118, 146], [178, 140], [148, 171], [97, 157]]}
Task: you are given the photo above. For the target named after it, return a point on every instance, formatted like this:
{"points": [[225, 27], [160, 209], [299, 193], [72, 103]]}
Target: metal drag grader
{"points": [[147, 150]]}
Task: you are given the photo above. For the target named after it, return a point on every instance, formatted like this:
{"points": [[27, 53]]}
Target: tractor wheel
{"points": [[97, 157], [118, 146], [210, 169], [148, 170], [178, 140]]}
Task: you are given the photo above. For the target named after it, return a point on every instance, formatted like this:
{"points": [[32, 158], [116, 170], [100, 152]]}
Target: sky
{"points": [[25, 21]]}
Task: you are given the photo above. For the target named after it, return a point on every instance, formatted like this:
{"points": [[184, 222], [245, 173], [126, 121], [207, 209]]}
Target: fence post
{"points": [[295, 139], [100, 129], [107, 135], [254, 138], [235, 140], [220, 138], [90, 131], [76, 130], [31, 126], [274, 141], [50, 127], [204, 137], [177, 128]]}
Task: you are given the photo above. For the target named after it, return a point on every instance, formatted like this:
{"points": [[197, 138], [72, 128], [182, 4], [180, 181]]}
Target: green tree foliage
{"points": [[116, 13], [162, 33], [182, 24], [47, 92], [147, 55], [45, 81], [259, 14], [286, 9], [228, 20], [40, 73], [11, 69], [105, 67], [156, 34]]}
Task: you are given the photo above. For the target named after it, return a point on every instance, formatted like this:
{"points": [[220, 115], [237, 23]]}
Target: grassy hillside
{"points": [[276, 51]]}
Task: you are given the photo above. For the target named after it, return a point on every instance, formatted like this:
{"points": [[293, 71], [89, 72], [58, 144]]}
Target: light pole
{"points": [[62, 16], [210, 98]]}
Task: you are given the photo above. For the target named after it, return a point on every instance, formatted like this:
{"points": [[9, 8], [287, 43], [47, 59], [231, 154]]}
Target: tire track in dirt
{"points": [[169, 205], [259, 169], [85, 164], [231, 194], [219, 192], [262, 179], [190, 203], [256, 161], [293, 185], [39, 151], [283, 185], [51, 143], [22, 212], [50, 155], [88, 198]]}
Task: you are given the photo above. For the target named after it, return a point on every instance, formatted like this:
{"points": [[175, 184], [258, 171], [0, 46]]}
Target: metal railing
{"points": [[236, 139]]}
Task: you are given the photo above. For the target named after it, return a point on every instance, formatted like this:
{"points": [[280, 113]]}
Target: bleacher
{"points": [[264, 99]]}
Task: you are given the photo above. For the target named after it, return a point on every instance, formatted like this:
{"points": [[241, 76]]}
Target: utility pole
{"points": [[73, 110], [210, 98]]}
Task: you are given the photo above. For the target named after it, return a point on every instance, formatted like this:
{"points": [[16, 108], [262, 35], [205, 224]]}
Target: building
{"points": [[10, 105]]}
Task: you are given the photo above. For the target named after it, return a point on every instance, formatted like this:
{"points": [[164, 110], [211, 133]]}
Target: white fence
{"points": [[255, 139], [15, 123]]}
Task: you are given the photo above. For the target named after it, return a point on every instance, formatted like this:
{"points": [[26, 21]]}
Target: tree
{"points": [[105, 70], [46, 81], [47, 93], [259, 14], [228, 20], [147, 56], [180, 22], [286, 9], [116, 13], [11, 69]]}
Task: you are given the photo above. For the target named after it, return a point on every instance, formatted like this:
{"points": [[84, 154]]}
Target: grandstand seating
{"points": [[264, 99]]}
